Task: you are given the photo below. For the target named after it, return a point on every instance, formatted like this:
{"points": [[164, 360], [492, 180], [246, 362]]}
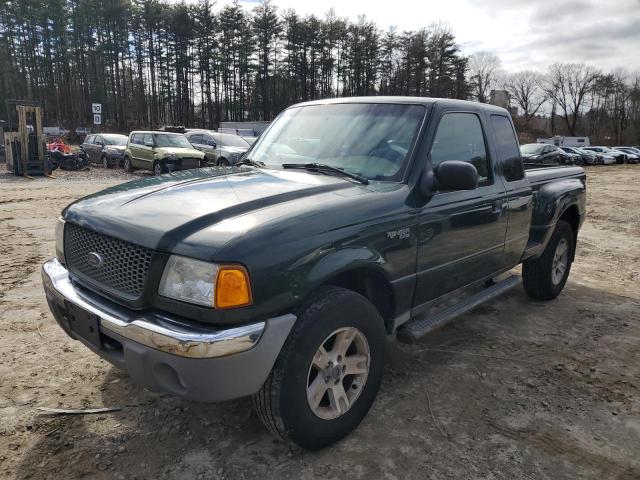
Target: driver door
{"points": [[461, 234]]}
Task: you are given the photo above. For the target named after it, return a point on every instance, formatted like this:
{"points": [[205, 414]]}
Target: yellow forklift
{"points": [[25, 147]]}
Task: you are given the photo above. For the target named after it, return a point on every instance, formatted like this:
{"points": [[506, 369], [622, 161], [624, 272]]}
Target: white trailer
{"points": [[560, 141]]}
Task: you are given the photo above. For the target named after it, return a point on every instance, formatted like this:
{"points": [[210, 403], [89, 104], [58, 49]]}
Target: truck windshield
{"points": [[171, 140], [371, 140]]}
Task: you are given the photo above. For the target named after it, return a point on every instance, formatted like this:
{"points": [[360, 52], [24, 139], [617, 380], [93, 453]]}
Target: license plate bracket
{"points": [[84, 324]]}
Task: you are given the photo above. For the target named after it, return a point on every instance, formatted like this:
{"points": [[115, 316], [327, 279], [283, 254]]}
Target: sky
{"points": [[526, 34]]}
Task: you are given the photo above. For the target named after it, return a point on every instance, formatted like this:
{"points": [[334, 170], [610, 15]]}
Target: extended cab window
{"points": [[460, 137], [507, 147]]}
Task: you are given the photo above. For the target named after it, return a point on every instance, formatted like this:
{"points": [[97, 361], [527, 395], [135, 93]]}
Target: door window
{"points": [[147, 140], [136, 138], [460, 137], [507, 147], [195, 139], [89, 140]]}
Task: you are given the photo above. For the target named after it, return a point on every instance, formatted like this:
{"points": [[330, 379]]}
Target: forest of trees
{"points": [[151, 62], [154, 62]]}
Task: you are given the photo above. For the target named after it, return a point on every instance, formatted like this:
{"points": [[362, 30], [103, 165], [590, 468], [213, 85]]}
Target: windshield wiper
{"points": [[321, 167], [253, 163]]}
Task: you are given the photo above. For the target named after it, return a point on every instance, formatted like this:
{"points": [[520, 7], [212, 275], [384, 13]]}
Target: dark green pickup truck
{"points": [[347, 221]]}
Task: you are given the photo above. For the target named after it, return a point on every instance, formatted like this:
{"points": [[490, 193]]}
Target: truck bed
{"points": [[540, 176]]}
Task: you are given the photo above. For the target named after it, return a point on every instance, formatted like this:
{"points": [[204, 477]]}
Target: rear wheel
{"points": [[545, 277], [223, 162], [328, 372]]}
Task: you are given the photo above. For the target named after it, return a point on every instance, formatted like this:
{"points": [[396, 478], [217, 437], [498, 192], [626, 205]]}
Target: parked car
{"points": [[582, 157], [220, 148], [106, 148], [354, 219], [542, 154], [619, 157], [161, 152], [633, 154]]}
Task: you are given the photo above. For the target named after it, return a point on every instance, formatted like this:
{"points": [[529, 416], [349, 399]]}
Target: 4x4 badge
{"points": [[401, 234]]}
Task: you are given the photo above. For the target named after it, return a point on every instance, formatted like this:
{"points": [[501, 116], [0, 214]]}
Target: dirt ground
{"points": [[516, 389]]}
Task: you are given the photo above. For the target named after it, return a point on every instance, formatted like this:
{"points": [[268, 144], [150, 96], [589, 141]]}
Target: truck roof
{"points": [[427, 101]]}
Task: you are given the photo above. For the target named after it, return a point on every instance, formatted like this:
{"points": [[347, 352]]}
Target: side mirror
{"points": [[449, 175], [211, 143]]}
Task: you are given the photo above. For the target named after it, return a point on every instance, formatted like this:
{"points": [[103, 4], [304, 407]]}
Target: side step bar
{"points": [[415, 329]]}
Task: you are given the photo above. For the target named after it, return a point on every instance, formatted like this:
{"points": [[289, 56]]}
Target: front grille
{"points": [[124, 265]]}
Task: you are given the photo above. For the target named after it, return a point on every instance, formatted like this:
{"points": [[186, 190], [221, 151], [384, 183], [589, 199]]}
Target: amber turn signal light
{"points": [[232, 287]]}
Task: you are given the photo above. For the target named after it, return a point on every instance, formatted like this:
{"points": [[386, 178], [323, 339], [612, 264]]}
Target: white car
{"points": [[633, 154], [618, 157]]}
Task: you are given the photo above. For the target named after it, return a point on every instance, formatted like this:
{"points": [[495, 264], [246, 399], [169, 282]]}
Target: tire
{"points": [[105, 162], [282, 403], [541, 277], [128, 166], [156, 168], [223, 162]]}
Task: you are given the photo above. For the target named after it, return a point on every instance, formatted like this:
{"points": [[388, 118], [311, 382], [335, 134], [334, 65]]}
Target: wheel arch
{"points": [[571, 215], [373, 284]]}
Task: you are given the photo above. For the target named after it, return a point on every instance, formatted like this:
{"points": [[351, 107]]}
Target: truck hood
{"points": [[162, 212], [180, 152]]}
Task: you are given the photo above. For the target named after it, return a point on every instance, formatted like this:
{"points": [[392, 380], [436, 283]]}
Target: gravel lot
{"points": [[514, 390]]}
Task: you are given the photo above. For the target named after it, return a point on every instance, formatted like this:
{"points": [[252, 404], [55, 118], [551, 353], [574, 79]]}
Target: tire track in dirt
{"points": [[17, 262]]}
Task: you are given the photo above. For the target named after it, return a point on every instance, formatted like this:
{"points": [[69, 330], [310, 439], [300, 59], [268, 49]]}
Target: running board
{"points": [[415, 329]]}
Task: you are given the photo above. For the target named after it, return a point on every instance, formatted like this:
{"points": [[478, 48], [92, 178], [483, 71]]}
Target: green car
{"points": [[161, 152]]}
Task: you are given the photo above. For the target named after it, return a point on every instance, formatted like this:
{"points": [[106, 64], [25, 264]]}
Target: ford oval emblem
{"points": [[94, 259]]}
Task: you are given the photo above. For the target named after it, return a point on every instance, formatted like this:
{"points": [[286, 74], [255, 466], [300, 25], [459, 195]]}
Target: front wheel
{"points": [[128, 167], [545, 277], [223, 162], [328, 372], [157, 168]]}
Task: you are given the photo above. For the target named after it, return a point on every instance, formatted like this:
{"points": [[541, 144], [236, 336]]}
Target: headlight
{"points": [[204, 283], [60, 239]]}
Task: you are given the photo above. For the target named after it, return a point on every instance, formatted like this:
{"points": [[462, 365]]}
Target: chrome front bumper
{"points": [[164, 353], [155, 331]]}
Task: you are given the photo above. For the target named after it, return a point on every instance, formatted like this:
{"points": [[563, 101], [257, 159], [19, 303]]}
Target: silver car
{"points": [[219, 148]]}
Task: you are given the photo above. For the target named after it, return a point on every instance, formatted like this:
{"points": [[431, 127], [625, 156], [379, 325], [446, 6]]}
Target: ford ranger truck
{"points": [[348, 220]]}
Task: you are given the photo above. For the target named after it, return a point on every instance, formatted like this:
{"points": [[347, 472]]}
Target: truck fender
{"points": [[551, 201], [339, 261]]}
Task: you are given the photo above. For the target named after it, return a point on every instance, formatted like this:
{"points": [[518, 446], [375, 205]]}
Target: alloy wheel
{"points": [[338, 373], [560, 261]]}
